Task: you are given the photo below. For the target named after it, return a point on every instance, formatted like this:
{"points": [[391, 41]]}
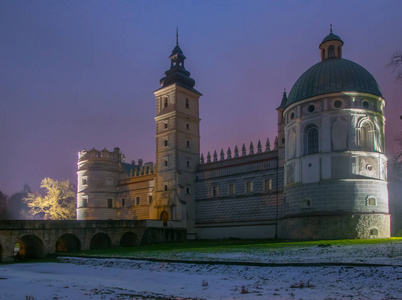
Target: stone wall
{"points": [[348, 226], [336, 196], [232, 212]]}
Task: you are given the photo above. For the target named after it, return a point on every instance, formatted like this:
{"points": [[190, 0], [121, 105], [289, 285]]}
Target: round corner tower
{"points": [[97, 177], [335, 163]]}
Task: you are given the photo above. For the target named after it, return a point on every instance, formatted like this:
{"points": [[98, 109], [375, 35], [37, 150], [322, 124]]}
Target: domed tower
{"points": [[177, 144], [97, 177], [335, 165]]}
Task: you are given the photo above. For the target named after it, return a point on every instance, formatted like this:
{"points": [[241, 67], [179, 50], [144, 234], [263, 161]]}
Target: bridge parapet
{"points": [[38, 238]]}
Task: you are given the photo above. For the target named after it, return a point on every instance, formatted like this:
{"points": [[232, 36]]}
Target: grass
{"points": [[172, 250]]}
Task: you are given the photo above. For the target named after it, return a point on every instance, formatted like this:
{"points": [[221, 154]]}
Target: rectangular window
{"points": [[187, 103], [188, 144], [231, 189], [215, 191], [268, 185], [165, 143], [165, 102], [84, 181], [137, 200], [84, 202], [149, 199], [165, 125], [166, 187], [249, 186], [166, 162], [188, 191], [109, 203], [187, 126], [123, 202], [188, 164]]}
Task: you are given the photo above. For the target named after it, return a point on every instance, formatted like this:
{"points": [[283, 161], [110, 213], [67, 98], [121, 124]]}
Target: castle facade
{"points": [[324, 177]]}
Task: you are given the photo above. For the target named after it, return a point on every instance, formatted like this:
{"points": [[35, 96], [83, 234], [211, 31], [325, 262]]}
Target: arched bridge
{"points": [[37, 238]]}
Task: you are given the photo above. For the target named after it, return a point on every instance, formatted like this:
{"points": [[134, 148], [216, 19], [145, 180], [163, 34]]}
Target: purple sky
{"points": [[80, 74]]}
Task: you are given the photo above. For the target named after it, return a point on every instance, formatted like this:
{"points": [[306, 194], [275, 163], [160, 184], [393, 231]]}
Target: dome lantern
{"points": [[331, 46]]}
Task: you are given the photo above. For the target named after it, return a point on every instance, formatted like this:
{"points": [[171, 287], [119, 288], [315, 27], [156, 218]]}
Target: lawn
{"points": [[211, 247]]}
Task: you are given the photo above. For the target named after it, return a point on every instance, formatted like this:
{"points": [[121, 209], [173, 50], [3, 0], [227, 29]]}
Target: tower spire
{"points": [[330, 28], [177, 35]]}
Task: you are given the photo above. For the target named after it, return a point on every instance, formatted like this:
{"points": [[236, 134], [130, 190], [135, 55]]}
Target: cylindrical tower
{"points": [[335, 166], [97, 176]]}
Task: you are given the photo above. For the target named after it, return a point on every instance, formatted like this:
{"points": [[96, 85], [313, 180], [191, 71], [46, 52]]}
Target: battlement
{"points": [[142, 170], [104, 154], [214, 158]]}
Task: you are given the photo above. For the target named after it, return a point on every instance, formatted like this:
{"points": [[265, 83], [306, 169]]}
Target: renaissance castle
{"points": [[323, 178]]}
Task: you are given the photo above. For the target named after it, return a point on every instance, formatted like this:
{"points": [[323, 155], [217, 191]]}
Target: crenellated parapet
{"points": [[147, 169], [104, 154], [237, 154]]}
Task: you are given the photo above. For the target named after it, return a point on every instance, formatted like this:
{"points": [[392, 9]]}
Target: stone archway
{"points": [[29, 247], [100, 240], [164, 217], [68, 242], [129, 239]]}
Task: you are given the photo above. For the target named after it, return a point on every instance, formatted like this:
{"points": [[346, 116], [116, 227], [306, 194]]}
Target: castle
{"points": [[324, 178]]}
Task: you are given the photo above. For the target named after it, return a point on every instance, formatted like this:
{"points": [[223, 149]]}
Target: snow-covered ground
{"points": [[83, 278]]}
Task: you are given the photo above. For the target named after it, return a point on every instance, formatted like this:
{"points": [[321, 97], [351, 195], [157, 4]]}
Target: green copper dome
{"points": [[331, 76], [331, 37]]}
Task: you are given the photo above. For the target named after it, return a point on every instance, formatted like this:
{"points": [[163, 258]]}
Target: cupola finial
{"points": [[330, 28], [177, 35]]}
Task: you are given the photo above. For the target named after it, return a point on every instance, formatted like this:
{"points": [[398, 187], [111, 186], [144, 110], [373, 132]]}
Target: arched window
{"points": [[331, 51], [367, 137], [311, 139]]}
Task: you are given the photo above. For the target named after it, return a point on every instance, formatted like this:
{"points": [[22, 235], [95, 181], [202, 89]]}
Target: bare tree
{"points": [[396, 63], [58, 203]]}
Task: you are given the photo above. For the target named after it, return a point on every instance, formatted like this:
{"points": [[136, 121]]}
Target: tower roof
{"points": [[177, 74]]}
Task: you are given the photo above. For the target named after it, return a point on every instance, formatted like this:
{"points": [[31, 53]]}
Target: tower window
{"points": [[165, 143], [166, 187], [137, 200], [215, 191], [231, 189], [188, 164], [371, 201], [165, 125], [84, 202], [187, 103], [187, 126], [331, 52], [84, 181], [188, 191], [268, 184], [165, 102], [311, 108], [149, 199], [374, 231], [109, 203], [188, 144], [249, 187], [338, 104], [367, 137], [166, 162], [306, 204], [123, 202], [311, 139]]}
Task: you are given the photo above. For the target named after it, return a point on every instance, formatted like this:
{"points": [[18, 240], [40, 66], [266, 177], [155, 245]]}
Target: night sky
{"points": [[81, 74]]}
